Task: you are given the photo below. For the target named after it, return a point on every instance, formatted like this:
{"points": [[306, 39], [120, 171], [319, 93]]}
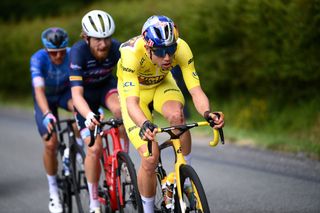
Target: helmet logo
{"points": [[150, 43]]}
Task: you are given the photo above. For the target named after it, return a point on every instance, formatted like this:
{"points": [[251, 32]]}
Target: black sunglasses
{"points": [[161, 52]]}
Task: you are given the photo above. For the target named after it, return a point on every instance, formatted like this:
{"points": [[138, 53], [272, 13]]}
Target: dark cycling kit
{"points": [[95, 76]]}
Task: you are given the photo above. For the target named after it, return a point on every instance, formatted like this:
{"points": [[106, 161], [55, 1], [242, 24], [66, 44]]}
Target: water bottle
{"points": [[66, 162], [167, 185]]}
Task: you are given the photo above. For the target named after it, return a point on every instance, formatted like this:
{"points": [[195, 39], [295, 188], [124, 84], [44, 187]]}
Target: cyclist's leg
{"points": [[169, 101], [170, 105], [91, 164], [92, 160], [146, 176], [50, 161]]}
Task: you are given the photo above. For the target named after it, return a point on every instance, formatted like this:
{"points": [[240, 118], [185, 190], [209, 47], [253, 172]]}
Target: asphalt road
{"points": [[236, 179]]}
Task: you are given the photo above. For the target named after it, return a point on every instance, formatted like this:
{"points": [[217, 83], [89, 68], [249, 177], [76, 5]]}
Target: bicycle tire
{"points": [[200, 203], [80, 185], [128, 185], [67, 196], [64, 183]]}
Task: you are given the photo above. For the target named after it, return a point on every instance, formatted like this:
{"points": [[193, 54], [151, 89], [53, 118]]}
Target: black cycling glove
{"points": [[209, 119], [146, 125]]}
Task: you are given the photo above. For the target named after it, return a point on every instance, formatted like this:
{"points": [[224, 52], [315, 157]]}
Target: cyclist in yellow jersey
{"points": [[145, 83]]}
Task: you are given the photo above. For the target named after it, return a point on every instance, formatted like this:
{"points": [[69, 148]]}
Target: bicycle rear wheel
{"points": [[80, 186], [127, 185], [195, 197]]}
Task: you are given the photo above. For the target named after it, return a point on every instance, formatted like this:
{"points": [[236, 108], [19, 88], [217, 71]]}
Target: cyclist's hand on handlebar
{"points": [[148, 131], [91, 120], [216, 119], [47, 120]]}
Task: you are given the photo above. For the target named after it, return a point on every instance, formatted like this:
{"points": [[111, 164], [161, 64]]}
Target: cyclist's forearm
{"points": [[200, 100], [41, 99], [79, 102], [134, 110]]}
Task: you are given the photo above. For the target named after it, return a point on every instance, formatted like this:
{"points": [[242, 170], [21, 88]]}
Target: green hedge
{"points": [[16, 10], [266, 48]]}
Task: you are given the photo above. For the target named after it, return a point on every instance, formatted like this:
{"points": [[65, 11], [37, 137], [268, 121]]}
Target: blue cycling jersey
{"points": [[56, 77], [85, 70]]}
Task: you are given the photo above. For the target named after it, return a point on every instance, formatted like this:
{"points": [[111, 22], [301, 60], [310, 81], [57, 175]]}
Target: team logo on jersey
{"points": [[150, 80], [128, 84], [132, 128], [142, 60], [75, 66], [190, 61], [127, 69], [195, 75]]}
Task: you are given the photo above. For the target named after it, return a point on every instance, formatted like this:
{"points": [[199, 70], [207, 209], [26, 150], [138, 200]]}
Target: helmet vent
{"points": [[110, 23], [92, 23], [102, 23], [166, 31], [84, 26], [158, 33], [55, 39]]}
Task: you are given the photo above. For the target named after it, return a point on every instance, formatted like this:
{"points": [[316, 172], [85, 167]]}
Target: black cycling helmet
{"points": [[54, 38]]}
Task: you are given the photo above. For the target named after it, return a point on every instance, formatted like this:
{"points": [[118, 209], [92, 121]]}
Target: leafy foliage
{"points": [[15, 10]]}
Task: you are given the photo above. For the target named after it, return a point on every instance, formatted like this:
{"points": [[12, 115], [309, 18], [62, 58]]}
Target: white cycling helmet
{"points": [[98, 24]]}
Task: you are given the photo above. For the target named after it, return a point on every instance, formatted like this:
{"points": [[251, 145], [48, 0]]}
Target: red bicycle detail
{"points": [[119, 189]]}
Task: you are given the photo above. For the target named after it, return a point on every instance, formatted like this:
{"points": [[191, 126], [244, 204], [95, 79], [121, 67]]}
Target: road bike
{"points": [[186, 191], [69, 173], [119, 188]]}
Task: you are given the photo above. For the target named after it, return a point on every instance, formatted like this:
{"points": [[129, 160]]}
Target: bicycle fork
{"points": [[179, 161]]}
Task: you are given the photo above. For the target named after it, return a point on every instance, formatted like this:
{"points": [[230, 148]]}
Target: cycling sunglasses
{"points": [[161, 52], [55, 53]]}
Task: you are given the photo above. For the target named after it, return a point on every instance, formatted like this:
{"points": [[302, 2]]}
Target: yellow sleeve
{"points": [[184, 58], [127, 72]]}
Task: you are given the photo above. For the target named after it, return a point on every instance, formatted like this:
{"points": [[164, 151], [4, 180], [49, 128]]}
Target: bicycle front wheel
{"points": [[64, 186], [80, 185], [193, 193], [129, 199]]}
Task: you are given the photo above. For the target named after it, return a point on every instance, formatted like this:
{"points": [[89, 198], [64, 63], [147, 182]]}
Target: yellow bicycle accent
{"points": [[183, 172]]}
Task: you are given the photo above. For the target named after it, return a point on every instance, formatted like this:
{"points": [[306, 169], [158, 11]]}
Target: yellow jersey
{"points": [[137, 72]]}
